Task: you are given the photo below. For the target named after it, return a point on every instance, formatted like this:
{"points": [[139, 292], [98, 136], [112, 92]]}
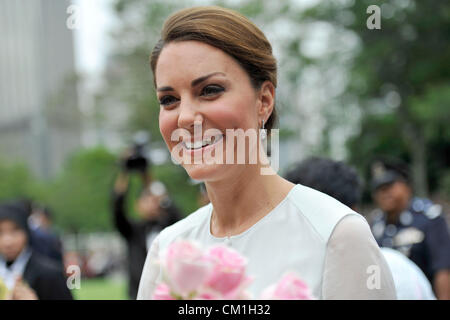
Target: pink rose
{"points": [[219, 273], [186, 267], [290, 287], [162, 292], [245, 295], [228, 272], [206, 293]]}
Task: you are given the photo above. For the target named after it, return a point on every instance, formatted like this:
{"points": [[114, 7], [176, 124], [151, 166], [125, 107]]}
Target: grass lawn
{"points": [[101, 289]]}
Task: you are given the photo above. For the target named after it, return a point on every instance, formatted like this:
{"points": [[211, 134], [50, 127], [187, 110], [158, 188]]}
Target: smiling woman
{"points": [[214, 71], [223, 70], [216, 101]]}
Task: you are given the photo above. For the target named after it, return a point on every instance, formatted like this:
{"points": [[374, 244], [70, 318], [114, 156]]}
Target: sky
{"points": [[91, 35]]}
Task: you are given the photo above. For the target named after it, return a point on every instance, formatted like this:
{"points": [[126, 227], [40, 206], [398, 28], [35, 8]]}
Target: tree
{"points": [[80, 195], [379, 136], [400, 70], [16, 181]]}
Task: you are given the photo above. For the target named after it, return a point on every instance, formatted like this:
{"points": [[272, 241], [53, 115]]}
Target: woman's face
{"points": [[12, 240], [198, 83]]}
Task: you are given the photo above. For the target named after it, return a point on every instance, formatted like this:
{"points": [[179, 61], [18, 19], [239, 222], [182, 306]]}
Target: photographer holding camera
{"points": [[154, 207]]}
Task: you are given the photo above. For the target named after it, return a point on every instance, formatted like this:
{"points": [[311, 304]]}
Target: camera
{"points": [[138, 161]]}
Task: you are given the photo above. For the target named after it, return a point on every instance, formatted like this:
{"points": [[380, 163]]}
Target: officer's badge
{"points": [[408, 236], [434, 211]]}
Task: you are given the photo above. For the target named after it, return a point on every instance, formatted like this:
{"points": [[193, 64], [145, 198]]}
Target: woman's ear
{"points": [[267, 99]]}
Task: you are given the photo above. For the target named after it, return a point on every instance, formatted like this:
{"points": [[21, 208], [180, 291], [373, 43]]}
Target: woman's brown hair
{"points": [[228, 31]]}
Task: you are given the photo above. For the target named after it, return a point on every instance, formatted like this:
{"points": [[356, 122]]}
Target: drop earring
{"points": [[262, 131]]}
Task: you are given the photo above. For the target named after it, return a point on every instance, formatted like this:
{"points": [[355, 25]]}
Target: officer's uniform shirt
{"points": [[421, 233]]}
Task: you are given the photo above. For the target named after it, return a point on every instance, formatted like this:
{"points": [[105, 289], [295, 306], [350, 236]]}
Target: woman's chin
{"points": [[203, 171]]}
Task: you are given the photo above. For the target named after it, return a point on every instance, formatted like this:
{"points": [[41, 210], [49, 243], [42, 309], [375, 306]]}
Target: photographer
{"points": [[154, 207]]}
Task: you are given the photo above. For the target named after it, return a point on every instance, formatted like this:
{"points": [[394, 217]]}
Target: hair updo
{"points": [[228, 31]]}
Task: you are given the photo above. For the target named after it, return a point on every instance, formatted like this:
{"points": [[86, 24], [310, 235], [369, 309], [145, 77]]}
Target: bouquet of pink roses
{"points": [[219, 272]]}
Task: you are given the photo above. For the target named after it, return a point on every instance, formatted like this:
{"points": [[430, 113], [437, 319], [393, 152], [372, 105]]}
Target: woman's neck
{"points": [[243, 199]]}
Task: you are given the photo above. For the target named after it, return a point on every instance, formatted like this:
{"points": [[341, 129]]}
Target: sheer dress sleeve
{"points": [[354, 265]]}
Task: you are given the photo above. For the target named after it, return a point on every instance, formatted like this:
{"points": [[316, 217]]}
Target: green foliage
{"points": [[432, 107], [381, 135], [80, 195], [408, 59], [16, 181], [375, 138]]}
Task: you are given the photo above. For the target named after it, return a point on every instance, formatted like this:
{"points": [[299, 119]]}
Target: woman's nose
{"points": [[188, 115]]}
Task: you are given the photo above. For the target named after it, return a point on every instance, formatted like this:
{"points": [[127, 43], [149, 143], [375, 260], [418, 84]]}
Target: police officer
{"points": [[415, 226]]}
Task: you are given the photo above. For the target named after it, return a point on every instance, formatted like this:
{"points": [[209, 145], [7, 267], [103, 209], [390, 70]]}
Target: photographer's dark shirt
{"points": [[136, 234]]}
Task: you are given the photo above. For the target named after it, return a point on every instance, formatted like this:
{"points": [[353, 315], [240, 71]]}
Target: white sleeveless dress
{"points": [[326, 243]]}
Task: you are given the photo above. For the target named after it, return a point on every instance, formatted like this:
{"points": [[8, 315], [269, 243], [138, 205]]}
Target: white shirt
{"points": [[326, 243], [17, 268], [410, 282]]}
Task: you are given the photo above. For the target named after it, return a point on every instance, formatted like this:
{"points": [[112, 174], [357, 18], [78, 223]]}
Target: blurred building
{"points": [[39, 115]]}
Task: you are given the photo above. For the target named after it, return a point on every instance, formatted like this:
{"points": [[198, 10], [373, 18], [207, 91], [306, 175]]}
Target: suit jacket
{"points": [[46, 278], [47, 244]]}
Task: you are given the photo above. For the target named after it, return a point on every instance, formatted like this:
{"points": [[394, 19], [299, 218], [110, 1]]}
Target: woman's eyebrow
{"points": [[164, 89], [201, 79], [194, 82]]}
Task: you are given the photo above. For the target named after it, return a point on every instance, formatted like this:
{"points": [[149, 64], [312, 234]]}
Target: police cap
{"points": [[386, 171]]}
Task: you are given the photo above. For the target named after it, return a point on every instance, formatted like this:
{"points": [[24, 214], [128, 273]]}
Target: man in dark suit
{"points": [[26, 274], [44, 239]]}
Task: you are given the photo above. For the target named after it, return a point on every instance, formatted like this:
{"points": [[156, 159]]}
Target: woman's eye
{"points": [[212, 90], [167, 100]]}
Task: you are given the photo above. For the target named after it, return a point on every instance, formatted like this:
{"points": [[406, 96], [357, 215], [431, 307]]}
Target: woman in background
{"points": [[26, 274]]}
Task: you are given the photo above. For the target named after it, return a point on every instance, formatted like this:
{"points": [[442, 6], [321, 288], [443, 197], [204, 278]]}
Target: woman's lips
{"points": [[198, 151]]}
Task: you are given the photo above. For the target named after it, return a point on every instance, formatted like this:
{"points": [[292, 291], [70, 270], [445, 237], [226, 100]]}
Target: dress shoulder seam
{"points": [[340, 220], [300, 211], [313, 226]]}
